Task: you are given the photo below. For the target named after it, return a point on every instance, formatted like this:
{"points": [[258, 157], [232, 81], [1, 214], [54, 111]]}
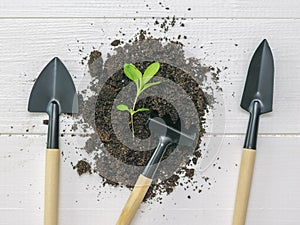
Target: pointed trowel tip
{"points": [[56, 60], [264, 43]]}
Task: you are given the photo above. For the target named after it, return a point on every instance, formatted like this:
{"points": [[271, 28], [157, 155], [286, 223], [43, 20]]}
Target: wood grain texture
{"points": [[244, 187], [51, 187], [134, 201], [27, 45], [149, 8]]}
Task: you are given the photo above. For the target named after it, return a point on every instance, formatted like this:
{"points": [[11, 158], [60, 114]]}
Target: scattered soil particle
{"points": [[74, 127], [115, 43], [189, 172], [83, 167], [93, 56]]}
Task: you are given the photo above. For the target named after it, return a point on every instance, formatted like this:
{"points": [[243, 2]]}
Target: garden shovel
{"points": [[54, 93], [167, 136], [257, 99]]}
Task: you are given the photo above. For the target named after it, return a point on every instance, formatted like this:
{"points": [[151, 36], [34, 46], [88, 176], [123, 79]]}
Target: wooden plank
{"points": [[27, 45], [84, 199], [150, 8]]}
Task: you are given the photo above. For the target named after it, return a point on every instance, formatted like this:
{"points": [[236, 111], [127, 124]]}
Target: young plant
{"points": [[142, 83]]}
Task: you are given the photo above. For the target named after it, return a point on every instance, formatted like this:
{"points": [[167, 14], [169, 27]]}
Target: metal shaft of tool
{"points": [[53, 126], [157, 156], [251, 135]]}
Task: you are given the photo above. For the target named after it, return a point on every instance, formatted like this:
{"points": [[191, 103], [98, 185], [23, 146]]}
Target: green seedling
{"points": [[142, 83]]}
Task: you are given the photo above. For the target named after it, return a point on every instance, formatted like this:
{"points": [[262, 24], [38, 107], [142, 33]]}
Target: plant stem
{"points": [[134, 103], [131, 114], [132, 127]]}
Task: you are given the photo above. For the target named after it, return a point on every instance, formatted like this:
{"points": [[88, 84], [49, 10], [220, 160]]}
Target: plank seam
{"points": [[151, 17]]}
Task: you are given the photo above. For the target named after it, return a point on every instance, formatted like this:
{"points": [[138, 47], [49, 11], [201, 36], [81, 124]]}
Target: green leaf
{"points": [[150, 85], [138, 72], [122, 107], [142, 110], [132, 73], [150, 71]]}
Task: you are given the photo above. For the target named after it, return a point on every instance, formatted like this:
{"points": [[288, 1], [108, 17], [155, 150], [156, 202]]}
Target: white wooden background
{"points": [[32, 32]]}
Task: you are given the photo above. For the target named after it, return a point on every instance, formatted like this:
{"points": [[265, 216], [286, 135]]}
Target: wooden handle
{"points": [[244, 185], [51, 187], [136, 197]]}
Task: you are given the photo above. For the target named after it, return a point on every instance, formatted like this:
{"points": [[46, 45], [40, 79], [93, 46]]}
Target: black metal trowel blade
{"points": [[54, 85], [260, 80]]}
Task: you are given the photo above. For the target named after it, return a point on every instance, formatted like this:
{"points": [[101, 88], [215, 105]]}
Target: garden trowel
{"points": [[257, 99], [53, 93]]}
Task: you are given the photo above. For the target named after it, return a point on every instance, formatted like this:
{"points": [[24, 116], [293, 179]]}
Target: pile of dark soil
{"points": [[118, 163]]}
